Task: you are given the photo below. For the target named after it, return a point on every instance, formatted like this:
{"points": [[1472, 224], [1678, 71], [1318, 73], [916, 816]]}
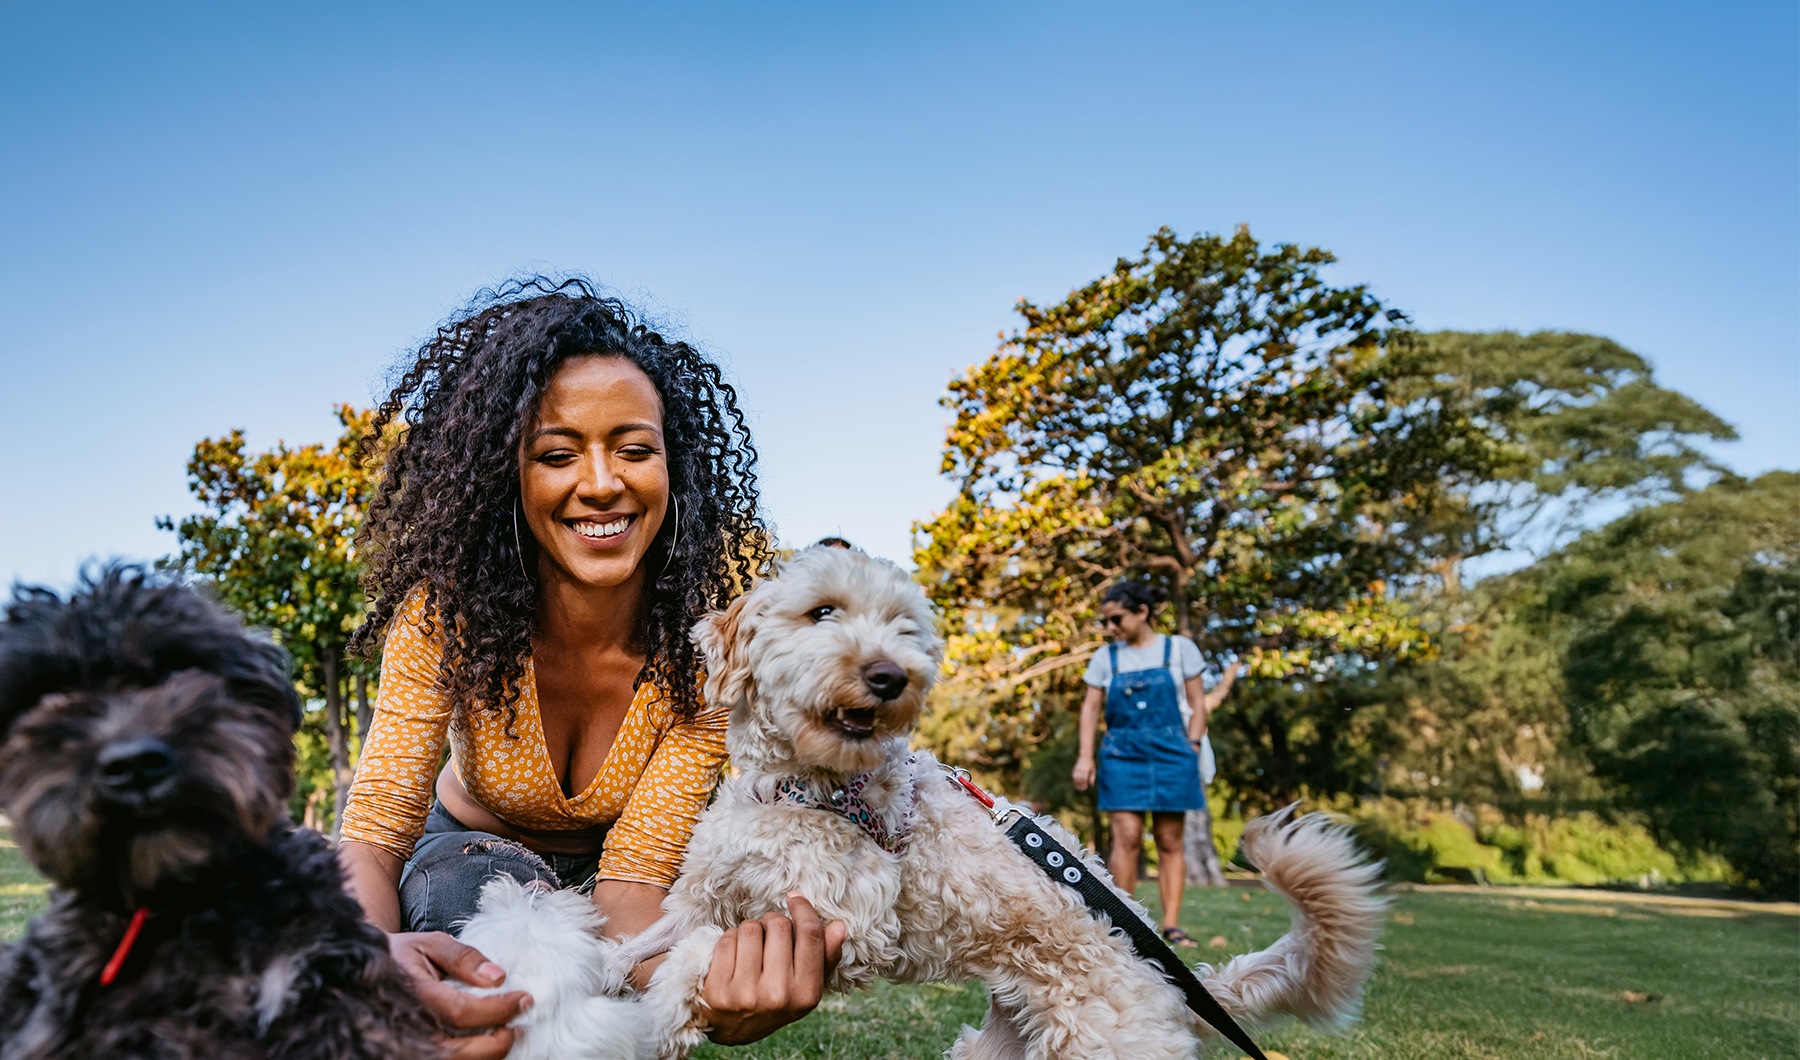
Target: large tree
{"points": [[1214, 417], [275, 537]]}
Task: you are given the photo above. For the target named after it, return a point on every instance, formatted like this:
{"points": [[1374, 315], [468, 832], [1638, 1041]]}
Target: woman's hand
{"points": [[1083, 773], [478, 1022], [767, 973]]}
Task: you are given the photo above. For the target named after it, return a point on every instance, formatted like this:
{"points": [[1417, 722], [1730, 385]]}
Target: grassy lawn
{"points": [[1465, 976]]}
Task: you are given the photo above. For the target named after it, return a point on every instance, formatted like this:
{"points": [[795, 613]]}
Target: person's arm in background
{"points": [[1223, 688], [1204, 702], [1083, 774]]}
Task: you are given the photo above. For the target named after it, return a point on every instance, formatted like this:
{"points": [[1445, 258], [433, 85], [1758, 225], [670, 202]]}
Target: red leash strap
{"points": [[111, 971]]}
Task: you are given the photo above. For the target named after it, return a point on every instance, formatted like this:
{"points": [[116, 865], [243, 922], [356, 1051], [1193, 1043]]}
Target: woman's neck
{"points": [[1141, 638], [594, 618]]}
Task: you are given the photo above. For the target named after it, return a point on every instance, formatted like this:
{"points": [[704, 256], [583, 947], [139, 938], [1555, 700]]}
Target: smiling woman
{"points": [[570, 493]]}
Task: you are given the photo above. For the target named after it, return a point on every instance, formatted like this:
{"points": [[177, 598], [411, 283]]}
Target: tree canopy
{"points": [[1566, 420]]}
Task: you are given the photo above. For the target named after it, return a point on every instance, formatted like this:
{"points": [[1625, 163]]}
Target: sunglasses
{"points": [[1114, 620]]}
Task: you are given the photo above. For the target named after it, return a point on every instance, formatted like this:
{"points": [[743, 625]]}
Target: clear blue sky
{"points": [[234, 216]]}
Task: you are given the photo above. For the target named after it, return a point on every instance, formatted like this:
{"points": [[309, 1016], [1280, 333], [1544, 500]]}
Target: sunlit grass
{"points": [[1484, 976]]}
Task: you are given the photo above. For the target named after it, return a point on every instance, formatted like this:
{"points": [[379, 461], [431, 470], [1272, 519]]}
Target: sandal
{"points": [[1174, 936]]}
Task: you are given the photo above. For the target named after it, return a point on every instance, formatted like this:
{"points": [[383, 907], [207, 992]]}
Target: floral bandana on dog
{"points": [[847, 802]]}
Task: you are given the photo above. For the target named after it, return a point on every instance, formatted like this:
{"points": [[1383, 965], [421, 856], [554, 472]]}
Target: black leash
{"points": [[1069, 870]]}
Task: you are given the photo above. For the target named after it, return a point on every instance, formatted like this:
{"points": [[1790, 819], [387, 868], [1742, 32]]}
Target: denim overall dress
{"points": [[1146, 761]]}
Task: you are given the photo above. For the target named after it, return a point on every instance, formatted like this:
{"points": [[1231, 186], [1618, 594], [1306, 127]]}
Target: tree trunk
{"points": [[1281, 765], [1203, 868], [310, 818], [337, 737]]}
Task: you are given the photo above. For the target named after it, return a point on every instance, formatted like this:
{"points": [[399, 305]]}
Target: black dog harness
{"points": [[1069, 870]]}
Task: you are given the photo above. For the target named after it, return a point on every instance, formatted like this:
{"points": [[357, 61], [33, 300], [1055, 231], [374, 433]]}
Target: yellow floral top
{"points": [[652, 786]]}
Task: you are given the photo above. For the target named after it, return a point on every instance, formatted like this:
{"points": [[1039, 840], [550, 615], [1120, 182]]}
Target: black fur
{"points": [[147, 760]]}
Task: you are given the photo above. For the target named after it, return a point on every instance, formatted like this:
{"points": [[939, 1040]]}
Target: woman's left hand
{"points": [[768, 973]]}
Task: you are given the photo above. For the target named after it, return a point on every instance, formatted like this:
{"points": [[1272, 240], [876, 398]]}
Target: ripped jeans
{"points": [[441, 883]]}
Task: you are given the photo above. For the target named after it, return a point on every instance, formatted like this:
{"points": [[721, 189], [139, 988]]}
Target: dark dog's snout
{"points": [[136, 766], [885, 679]]}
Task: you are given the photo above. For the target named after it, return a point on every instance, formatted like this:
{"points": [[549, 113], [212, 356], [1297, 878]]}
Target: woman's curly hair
{"points": [[443, 518]]}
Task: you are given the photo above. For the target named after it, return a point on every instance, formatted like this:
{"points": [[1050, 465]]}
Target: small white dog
{"points": [[826, 668]]}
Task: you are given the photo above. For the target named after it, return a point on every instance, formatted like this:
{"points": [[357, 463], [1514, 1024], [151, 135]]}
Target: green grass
{"points": [[1465, 976], [22, 893]]}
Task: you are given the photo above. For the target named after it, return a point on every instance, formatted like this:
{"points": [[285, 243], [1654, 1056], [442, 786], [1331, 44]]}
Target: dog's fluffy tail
{"points": [[1316, 971]]}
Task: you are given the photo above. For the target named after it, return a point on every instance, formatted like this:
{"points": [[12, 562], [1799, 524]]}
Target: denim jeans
{"points": [[441, 883]]}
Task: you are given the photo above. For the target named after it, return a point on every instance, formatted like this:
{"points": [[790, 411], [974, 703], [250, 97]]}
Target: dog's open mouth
{"points": [[858, 723]]}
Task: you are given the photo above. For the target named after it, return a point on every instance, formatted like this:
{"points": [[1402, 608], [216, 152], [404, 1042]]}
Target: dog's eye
{"points": [[818, 614]]}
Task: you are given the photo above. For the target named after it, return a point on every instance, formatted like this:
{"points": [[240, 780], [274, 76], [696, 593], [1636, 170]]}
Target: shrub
{"points": [[1424, 842]]}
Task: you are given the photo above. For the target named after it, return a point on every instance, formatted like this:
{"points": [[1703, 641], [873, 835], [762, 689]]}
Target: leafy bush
{"points": [[1431, 843]]}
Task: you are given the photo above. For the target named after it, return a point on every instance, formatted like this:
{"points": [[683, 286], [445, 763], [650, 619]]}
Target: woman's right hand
{"points": [[767, 973], [477, 1022], [1083, 773]]}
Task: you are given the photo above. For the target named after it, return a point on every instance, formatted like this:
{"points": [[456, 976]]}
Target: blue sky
{"points": [[237, 215]]}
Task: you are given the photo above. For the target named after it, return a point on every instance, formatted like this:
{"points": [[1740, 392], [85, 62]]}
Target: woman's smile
{"points": [[609, 532]]}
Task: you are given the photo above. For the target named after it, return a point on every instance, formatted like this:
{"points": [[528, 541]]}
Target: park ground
{"points": [[1466, 974]]}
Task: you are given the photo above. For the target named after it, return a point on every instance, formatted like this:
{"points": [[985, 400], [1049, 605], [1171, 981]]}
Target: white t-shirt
{"points": [[1184, 662]]}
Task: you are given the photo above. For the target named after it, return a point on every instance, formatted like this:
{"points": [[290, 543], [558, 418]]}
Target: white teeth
{"points": [[617, 526]]}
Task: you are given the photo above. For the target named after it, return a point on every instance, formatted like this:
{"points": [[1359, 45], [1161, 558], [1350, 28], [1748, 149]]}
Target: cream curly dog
{"points": [[827, 667]]}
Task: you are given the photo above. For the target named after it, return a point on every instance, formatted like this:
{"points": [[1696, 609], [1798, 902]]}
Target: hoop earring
{"points": [[674, 534], [519, 544]]}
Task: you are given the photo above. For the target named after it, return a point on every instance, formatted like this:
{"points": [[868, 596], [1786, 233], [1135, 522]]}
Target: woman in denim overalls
{"points": [[1148, 761]]}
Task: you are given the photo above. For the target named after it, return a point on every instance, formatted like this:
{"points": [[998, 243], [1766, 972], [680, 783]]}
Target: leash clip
{"points": [[999, 809]]}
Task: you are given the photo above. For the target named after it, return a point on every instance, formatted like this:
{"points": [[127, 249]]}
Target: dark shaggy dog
{"points": [[146, 766]]}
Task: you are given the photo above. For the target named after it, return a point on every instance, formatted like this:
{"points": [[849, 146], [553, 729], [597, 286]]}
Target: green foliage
{"points": [[1486, 720], [1427, 842], [1651, 667], [1564, 420], [1682, 665], [1227, 832], [276, 538]]}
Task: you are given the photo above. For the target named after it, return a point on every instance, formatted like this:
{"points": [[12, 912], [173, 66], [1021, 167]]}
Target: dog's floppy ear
{"points": [[721, 637]]}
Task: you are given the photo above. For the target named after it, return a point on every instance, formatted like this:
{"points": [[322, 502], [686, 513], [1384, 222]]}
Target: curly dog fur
{"points": [[827, 667], [146, 762]]}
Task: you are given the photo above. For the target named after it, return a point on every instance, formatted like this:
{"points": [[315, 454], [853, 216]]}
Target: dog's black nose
{"points": [[135, 765], [884, 679]]}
